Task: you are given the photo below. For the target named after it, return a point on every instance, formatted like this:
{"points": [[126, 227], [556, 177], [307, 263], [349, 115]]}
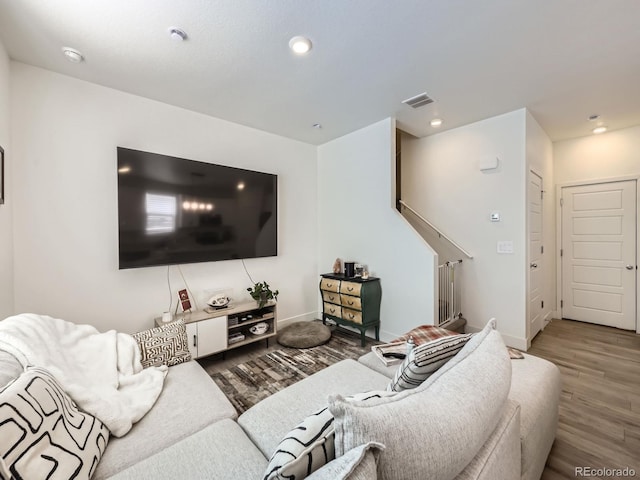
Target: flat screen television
{"points": [[172, 211]]}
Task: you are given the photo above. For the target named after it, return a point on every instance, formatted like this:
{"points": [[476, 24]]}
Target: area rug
{"points": [[248, 383]]}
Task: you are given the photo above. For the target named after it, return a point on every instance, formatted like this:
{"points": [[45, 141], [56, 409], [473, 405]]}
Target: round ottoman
{"points": [[304, 335]]}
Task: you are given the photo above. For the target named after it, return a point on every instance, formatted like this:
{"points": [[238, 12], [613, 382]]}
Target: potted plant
{"points": [[262, 293]]}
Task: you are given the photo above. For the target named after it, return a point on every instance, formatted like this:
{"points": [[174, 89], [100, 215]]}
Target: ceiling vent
{"points": [[418, 100]]}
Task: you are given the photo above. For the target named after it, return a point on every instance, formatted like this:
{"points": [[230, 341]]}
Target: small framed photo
{"points": [[1, 175], [184, 300]]}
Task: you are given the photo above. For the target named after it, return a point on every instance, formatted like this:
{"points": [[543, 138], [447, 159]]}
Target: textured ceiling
{"points": [[562, 59]]}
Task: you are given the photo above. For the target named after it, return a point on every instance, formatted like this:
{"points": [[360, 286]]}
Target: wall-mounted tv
{"points": [[172, 210]]}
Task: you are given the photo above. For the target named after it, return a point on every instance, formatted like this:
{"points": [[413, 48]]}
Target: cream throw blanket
{"points": [[101, 372]]}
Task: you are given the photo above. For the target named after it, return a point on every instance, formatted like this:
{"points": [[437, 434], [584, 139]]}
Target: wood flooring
{"points": [[599, 425]]}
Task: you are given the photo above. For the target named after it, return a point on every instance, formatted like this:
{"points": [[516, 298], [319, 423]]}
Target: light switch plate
{"points": [[505, 246], [495, 216]]}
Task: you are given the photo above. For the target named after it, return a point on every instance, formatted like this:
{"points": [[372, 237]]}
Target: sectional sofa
{"points": [[481, 416]]}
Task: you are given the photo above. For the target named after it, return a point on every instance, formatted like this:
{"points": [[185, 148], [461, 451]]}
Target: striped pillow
{"points": [[425, 359], [310, 445]]}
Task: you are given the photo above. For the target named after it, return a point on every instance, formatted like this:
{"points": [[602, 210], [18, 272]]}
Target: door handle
{"points": [[534, 265], [629, 267]]}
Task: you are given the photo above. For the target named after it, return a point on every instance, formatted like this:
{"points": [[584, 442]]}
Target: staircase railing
{"points": [[449, 305], [435, 229]]}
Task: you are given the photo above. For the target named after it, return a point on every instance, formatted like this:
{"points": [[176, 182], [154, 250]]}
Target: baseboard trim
{"points": [[305, 317]]}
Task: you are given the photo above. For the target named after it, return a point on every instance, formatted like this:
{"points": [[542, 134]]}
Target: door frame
{"points": [[544, 320], [559, 187]]}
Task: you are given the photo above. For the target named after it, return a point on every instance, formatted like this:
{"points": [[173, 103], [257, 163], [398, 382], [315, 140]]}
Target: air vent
{"points": [[418, 100]]}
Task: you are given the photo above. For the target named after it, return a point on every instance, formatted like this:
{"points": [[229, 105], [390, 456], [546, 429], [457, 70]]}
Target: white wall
{"points": [[442, 180], [6, 225], [65, 134], [539, 151], [596, 157], [357, 222]]}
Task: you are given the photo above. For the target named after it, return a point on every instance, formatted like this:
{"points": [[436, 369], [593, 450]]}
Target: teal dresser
{"points": [[352, 301]]}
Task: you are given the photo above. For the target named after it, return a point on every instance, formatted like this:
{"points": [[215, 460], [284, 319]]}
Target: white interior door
{"points": [[536, 266], [599, 253]]}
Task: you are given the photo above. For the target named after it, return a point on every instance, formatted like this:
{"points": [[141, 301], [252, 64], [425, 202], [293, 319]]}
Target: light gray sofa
{"points": [[481, 416]]}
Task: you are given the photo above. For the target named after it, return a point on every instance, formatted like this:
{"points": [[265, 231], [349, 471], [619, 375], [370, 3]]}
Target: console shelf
{"points": [[208, 330]]}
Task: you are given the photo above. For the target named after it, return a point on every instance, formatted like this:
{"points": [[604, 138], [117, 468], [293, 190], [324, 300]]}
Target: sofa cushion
{"points": [[360, 463], [164, 345], [425, 359], [421, 441], [499, 457], [538, 413], [269, 421], [43, 434], [10, 368], [189, 402], [221, 451]]}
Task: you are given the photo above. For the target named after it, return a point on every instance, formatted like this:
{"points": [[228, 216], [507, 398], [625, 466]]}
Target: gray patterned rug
{"points": [[247, 383]]}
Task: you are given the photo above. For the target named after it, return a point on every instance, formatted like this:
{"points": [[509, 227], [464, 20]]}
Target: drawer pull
{"points": [[331, 297], [329, 285], [351, 316], [333, 310], [351, 302], [350, 289]]}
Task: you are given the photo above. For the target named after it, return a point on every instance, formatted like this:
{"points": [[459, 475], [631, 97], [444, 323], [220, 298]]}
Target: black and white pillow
{"points": [[310, 445], [359, 463], [425, 359], [43, 434], [164, 345]]}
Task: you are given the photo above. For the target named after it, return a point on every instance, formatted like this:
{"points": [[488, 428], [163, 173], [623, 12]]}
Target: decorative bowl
{"points": [[259, 328]]}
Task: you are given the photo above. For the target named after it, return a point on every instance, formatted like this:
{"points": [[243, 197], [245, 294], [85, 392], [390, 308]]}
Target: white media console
{"points": [[212, 330]]}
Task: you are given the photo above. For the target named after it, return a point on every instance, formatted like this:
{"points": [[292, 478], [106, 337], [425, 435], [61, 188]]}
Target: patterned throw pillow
{"points": [[360, 463], [43, 434], [309, 446], [164, 345], [425, 359]]}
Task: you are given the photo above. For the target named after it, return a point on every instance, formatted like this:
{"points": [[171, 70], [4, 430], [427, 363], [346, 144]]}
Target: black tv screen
{"points": [[172, 210]]}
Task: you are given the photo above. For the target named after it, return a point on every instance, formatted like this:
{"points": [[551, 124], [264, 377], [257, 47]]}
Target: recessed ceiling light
{"points": [[300, 45], [125, 169], [240, 186], [598, 130], [436, 122], [177, 34], [72, 54]]}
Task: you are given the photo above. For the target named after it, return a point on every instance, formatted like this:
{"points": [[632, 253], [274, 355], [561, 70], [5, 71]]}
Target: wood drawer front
{"points": [[331, 309], [350, 288], [331, 297], [354, 316], [330, 285], [351, 302]]}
